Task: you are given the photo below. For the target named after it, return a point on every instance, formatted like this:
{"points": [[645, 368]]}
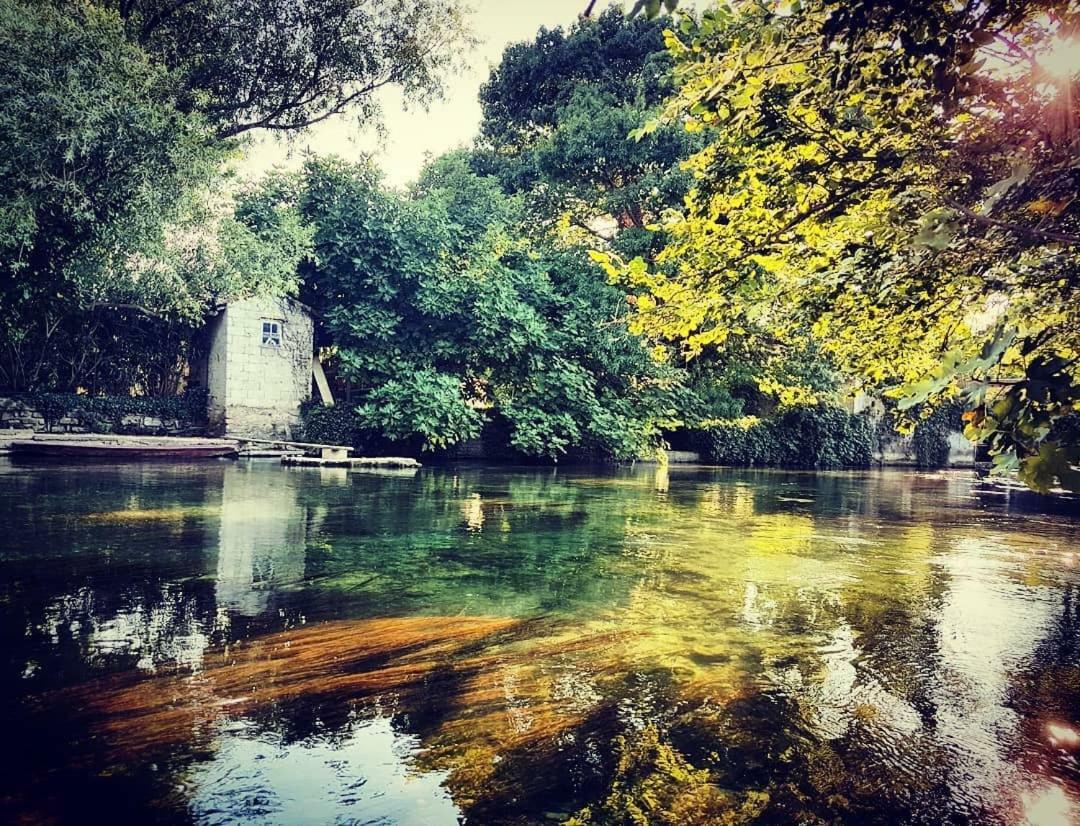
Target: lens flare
{"points": [[1062, 58]]}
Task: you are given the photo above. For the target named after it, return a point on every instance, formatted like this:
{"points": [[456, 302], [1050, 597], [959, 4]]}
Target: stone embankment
{"points": [[18, 414]]}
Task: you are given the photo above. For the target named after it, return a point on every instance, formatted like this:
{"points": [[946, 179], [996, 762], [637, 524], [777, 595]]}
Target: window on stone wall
{"points": [[271, 333]]}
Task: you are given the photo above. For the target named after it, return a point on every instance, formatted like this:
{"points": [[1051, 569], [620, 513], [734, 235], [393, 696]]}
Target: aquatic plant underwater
{"points": [[646, 646]]}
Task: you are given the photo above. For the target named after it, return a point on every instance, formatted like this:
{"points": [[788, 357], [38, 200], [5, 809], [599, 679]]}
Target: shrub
{"points": [[814, 437], [423, 405], [342, 425], [740, 442], [931, 437], [328, 425], [822, 437]]}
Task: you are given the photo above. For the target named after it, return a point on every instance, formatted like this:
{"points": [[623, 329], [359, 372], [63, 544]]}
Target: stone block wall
{"points": [[254, 389], [19, 414]]}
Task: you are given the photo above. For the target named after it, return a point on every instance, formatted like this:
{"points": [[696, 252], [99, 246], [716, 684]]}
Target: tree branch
{"points": [[1031, 233], [108, 305], [268, 121]]}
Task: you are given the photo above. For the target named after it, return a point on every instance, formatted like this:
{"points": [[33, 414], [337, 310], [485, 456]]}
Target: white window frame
{"points": [[271, 333]]}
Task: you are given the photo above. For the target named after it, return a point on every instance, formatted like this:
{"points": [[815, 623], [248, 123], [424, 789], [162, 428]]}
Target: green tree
{"points": [[445, 315], [284, 65], [556, 113], [95, 159]]}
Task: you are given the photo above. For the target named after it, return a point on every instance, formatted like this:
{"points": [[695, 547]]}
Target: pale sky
{"points": [[447, 124]]}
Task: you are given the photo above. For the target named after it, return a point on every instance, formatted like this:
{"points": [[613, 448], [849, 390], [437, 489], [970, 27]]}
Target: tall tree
{"points": [[283, 65], [556, 115], [896, 185]]}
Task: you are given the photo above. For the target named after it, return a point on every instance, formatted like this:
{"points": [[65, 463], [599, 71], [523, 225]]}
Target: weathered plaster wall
{"points": [[256, 390], [213, 372]]}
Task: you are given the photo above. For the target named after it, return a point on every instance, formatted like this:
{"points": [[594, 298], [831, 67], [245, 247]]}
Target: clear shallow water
{"points": [[239, 643]]}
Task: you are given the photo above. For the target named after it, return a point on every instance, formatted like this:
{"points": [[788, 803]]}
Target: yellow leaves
{"points": [[769, 263], [789, 395], [810, 152], [809, 117], [697, 342], [673, 44], [609, 263], [1048, 206]]}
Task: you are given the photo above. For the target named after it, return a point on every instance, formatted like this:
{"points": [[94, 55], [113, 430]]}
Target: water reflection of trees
{"points": [[101, 568], [718, 645]]}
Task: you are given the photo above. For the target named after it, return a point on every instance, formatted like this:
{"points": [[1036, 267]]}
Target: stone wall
{"points": [[894, 450], [899, 451], [255, 389], [18, 414]]}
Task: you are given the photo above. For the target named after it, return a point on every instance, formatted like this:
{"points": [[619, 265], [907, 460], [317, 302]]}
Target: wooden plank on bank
{"points": [[287, 443], [356, 462], [321, 383]]}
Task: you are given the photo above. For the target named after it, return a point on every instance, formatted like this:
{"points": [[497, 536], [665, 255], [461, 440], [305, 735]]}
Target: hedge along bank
{"points": [[819, 437], [825, 437]]}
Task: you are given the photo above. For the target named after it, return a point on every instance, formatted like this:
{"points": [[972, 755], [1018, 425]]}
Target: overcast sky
{"points": [[447, 124]]}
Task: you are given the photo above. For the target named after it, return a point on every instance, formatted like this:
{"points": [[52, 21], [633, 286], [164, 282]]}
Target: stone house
{"points": [[257, 366]]}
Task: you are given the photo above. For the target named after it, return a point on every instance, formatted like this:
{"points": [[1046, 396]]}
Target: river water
{"points": [[242, 643]]}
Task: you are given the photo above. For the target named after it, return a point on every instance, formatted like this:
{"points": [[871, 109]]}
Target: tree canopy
{"points": [[117, 120], [556, 113], [895, 186], [94, 160], [445, 314], [284, 65]]}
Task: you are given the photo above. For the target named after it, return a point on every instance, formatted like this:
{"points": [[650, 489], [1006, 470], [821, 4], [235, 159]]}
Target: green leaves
{"points": [[98, 167], [421, 404], [445, 315], [557, 116], [956, 365], [1053, 465]]}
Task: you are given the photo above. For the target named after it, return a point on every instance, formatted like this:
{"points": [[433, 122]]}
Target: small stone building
{"points": [[257, 366]]}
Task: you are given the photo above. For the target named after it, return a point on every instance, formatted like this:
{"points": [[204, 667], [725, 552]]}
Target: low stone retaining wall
{"points": [[899, 451], [19, 414], [683, 457]]}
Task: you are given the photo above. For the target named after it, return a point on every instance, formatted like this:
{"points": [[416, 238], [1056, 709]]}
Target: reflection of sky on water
{"points": [[167, 629], [361, 775], [988, 626], [262, 541]]}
